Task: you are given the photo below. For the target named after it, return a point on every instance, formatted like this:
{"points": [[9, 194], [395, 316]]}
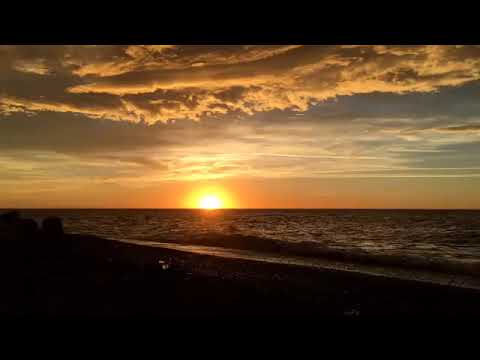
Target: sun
{"points": [[209, 197], [210, 202]]}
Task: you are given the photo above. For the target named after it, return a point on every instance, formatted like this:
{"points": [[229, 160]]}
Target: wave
{"points": [[317, 250]]}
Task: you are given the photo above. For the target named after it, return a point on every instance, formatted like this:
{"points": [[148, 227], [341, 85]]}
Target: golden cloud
{"points": [[159, 83]]}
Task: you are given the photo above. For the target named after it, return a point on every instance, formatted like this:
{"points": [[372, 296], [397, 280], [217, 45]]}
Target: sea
{"points": [[444, 240]]}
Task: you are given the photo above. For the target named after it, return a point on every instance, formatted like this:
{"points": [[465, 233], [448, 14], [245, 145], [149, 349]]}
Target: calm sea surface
{"points": [[423, 235]]}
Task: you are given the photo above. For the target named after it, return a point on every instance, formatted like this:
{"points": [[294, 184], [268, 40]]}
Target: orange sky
{"points": [[270, 126], [267, 193]]}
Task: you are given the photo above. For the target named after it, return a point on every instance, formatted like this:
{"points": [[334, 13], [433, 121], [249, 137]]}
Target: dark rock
{"points": [[27, 228], [53, 227], [9, 229], [10, 217]]}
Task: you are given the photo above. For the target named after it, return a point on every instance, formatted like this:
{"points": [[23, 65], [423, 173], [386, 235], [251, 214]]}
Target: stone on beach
{"points": [[53, 226], [27, 227], [9, 218], [13, 227]]}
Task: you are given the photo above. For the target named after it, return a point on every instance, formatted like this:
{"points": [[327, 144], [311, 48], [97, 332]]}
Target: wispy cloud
{"points": [[461, 128]]}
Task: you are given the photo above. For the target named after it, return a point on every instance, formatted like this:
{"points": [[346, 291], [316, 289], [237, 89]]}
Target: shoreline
{"points": [[275, 252], [463, 264], [325, 264], [322, 290], [158, 249], [47, 274]]}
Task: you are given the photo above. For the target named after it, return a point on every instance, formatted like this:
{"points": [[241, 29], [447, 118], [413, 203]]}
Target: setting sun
{"points": [[209, 196], [210, 202]]}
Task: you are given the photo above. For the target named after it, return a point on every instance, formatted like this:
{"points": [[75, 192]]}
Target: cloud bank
{"points": [[166, 82]]}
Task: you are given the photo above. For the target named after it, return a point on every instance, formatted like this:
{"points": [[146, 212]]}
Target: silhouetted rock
{"points": [[10, 218], [8, 226], [52, 227], [27, 228]]}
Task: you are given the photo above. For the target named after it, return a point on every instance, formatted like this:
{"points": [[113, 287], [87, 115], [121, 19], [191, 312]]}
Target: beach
{"points": [[79, 276]]}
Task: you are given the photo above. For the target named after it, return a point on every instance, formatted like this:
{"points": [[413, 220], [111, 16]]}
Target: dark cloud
{"points": [[449, 103], [74, 134]]}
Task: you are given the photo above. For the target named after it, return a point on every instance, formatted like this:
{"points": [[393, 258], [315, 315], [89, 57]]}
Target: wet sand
{"points": [[78, 277]]}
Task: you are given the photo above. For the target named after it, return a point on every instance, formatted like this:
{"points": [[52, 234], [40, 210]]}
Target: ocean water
{"points": [[440, 239]]}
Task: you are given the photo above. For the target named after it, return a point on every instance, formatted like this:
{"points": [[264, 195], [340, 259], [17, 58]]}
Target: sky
{"points": [[284, 126]]}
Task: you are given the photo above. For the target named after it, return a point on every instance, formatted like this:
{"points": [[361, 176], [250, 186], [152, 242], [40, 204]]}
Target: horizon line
{"points": [[239, 208]]}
